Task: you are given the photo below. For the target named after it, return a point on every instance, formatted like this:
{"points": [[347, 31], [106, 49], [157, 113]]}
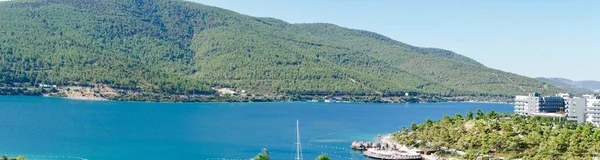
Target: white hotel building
{"points": [[534, 104], [585, 109]]}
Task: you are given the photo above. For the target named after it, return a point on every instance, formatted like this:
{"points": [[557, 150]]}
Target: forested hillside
{"points": [[181, 48]]}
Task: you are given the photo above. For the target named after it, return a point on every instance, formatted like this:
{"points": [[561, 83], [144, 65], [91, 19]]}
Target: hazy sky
{"points": [[534, 38]]}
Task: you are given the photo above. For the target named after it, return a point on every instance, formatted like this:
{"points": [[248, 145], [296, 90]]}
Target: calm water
{"points": [[37, 126]]}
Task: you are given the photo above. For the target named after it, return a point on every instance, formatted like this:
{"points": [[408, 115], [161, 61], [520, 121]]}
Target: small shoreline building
{"points": [[47, 85]]}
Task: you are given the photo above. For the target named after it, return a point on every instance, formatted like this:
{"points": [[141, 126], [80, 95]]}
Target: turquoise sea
{"points": [[60, 129]]}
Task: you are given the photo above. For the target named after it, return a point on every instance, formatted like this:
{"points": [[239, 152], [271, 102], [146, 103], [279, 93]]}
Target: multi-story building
{"points": [[585, 109], [593, 110], [577, 109], [566, 97], [534, 103]]}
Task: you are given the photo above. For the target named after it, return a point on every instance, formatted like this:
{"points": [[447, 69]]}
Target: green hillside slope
{"points": [[182, 48]]}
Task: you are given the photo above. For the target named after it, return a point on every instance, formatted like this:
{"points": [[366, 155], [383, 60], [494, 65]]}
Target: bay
{"points": [[55, 128]]}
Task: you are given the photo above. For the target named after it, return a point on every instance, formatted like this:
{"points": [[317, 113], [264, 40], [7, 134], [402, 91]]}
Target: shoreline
{"points": [[100, 92], [82, 98], [388, 138], [76, 98]]}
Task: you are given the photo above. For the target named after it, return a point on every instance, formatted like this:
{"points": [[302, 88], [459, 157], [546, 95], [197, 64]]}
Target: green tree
{"points": [[414, 127], [457, 116], [264, 155], [470, 115], [480, 114], [429, 122], [491, 114], [323, 157]]}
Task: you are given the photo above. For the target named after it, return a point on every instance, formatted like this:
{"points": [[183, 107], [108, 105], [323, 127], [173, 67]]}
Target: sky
{"points": [[535, 38]]}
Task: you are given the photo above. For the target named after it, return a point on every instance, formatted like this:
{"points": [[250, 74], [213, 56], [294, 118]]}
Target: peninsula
{"points": [[501, 135]]}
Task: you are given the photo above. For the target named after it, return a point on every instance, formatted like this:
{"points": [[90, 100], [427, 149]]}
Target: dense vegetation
{"points": [[183, 48], [503, 135]]}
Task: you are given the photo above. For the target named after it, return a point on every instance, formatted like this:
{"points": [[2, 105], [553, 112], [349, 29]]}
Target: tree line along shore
{"points": [[104, 92]]}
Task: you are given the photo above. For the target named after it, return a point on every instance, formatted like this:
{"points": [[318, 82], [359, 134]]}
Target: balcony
{"points": [[521, 100], [592, 111], [520, 111], [593, 107]]}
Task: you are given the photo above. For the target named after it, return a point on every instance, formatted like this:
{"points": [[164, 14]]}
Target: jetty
{"points": [[386, 151]]}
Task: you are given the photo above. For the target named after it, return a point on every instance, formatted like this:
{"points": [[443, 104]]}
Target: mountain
{"points": [[573, 86], [566, 85], [593, 85], [181, 48]]}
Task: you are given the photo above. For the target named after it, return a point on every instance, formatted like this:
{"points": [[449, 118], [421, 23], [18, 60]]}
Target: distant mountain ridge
{"points": [[573, 86], [173, 47]]}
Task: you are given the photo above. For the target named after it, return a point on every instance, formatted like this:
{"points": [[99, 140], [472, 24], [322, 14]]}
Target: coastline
{"points": [[85, 98], [388, 138], [484, 102], [106, 93], [233, 100]]}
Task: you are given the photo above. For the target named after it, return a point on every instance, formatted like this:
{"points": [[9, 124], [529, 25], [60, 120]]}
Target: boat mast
{"points": [[298, 145]]}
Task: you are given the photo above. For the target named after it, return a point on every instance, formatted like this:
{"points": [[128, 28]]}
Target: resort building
{"points": [[566, 97], [534, 104], [576, 109], [585, 109], [593, 109]]}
